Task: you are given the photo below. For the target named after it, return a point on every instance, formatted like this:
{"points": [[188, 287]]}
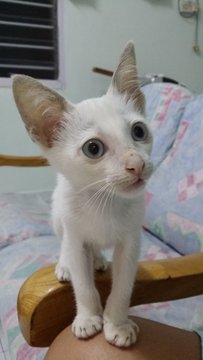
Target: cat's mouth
{"points": [[138, 183]]}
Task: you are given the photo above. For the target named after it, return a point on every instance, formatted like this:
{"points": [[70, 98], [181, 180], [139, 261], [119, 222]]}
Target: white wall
{"points": [[95, 31]]}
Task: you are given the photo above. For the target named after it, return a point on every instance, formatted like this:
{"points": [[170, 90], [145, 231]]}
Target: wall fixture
{"points": [[188, 9]]}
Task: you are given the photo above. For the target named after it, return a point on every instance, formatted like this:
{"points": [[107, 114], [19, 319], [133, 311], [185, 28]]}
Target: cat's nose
{"points": [[136, 170], [134, 164]]}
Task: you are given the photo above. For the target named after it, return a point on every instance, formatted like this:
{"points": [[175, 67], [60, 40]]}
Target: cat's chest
{"points": [[107, 225], [102, 221]]}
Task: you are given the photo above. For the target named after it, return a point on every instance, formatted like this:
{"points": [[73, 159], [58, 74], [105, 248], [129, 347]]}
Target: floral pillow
{"points": [[174, 197], [24, 215], [165, 103]]}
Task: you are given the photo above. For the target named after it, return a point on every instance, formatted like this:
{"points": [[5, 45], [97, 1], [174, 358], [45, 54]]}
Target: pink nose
{"points": [[134, 163]]}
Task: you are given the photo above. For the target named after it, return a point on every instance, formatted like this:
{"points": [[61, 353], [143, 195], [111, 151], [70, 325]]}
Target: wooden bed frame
{"points": [[46, 306], [22, 161]]}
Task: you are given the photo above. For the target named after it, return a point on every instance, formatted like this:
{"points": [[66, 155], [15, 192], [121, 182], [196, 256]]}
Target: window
{"points": [[29, 39]]}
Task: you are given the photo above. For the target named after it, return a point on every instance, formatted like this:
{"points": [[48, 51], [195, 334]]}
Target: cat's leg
{"points": [[62, 268], [79, 258], [118, 329]]}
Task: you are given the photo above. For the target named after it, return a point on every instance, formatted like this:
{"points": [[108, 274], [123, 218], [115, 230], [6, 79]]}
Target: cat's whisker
{"points": [[89, 203], [96, 195], [103, 195], [89, 186], [121, 179], [112, 197], [99, 204], [100, 196], [106, 199], [75, 195], [93, 200]]}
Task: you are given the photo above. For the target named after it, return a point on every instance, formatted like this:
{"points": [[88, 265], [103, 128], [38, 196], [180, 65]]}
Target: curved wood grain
{"points": [[46, 307], [22, 161]]}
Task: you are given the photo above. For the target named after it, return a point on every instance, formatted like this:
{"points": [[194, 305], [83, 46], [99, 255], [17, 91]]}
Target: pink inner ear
{"points": [[50, 130]]}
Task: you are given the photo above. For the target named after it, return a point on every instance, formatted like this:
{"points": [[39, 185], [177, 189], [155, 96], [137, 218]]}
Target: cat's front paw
{"points": [[123, 335], [87, 326], [62, 273]]}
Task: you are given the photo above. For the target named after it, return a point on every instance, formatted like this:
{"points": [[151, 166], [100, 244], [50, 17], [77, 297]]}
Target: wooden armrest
{"points": [[46, 306], [23, 161]]}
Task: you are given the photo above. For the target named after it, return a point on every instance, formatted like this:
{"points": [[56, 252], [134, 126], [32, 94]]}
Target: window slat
{"points": [[26, 46], [28, 3], [29, 38], [31, 35], [32, 67], [20, 13], [22, 24]]}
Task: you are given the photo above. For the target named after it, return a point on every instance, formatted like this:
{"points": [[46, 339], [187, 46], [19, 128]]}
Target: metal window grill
{"points": [[29, 38]]}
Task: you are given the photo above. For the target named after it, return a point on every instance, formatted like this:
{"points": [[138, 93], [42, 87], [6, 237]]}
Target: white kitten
{"points": [[100, 148]]}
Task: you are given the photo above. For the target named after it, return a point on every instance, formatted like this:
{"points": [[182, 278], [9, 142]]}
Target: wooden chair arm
{"points": [[22, 161], [46, 306]]}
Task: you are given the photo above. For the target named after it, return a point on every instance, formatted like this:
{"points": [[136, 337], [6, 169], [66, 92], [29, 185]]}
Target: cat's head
{"points": [[101, 143]]}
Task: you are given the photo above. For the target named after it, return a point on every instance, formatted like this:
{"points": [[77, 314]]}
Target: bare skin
{"points": [[155, 342]]}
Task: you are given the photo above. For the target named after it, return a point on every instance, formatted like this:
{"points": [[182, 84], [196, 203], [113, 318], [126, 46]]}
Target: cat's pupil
{"points": [[93, 148], [139, 132]]}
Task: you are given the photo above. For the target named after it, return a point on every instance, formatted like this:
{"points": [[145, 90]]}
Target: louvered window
{"points": [[29, 38]]}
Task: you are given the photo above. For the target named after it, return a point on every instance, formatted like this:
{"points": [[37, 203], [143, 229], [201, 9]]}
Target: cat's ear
{"points": [[41, 109], [125, 79]]}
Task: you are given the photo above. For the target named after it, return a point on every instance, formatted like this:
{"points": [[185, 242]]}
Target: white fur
{"points": [[84, 215]]}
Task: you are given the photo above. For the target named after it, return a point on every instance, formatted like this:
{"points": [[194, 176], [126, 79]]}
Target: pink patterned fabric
{"points": [[24, 215], [174, 197]]}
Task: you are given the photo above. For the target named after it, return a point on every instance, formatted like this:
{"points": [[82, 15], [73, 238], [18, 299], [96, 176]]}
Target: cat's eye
{"points": [[93, 148], [139, 131]]}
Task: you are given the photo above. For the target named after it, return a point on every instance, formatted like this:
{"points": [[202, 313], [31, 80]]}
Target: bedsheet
{"points": [[24, 215]]}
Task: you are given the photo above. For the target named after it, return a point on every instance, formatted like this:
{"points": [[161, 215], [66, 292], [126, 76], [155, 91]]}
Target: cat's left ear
{"points": [[125, 79], [41, 108]]}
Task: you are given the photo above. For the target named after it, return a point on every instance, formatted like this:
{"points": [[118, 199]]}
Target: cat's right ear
{"points": [[42, 109], [125, 79]]}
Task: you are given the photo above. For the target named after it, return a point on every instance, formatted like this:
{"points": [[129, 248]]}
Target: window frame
{"points": [[60, 82]]}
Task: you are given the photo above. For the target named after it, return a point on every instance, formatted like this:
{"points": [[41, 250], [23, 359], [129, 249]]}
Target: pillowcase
{"points": [[165, 103], [174, 197], [24, 215]]}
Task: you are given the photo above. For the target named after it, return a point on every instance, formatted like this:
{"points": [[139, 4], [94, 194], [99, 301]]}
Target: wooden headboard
{"points": [[22, 161]]}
